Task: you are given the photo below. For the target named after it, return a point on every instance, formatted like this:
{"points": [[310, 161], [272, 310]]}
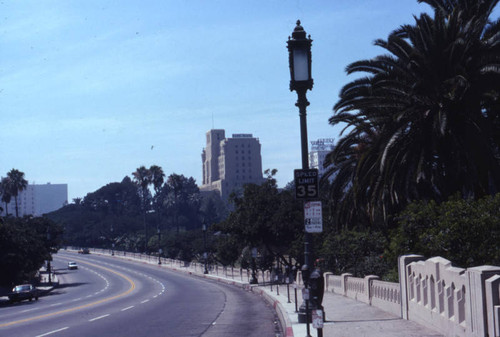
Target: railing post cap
{"points": [[485, 268]]}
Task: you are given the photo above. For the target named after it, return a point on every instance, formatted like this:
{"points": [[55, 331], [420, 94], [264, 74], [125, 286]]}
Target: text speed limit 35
{"points": [[306, 184]]}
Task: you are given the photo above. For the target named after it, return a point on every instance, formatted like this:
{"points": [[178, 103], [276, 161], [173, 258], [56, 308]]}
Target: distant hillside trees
{"points": [[129, 214]]}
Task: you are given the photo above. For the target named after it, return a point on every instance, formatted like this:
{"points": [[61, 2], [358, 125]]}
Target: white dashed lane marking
{"points": [[96, 318], [146, 276], [51, 332]]}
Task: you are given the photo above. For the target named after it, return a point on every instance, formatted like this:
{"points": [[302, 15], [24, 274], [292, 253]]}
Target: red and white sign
{"points": [[313, 217], [317, 319]]}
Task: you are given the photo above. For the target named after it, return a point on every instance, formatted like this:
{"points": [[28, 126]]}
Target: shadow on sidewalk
{"points": [[71, 285], [365, 320]]}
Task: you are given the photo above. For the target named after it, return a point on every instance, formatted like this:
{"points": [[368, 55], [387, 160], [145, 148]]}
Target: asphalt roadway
{"points": [[109, 296]]}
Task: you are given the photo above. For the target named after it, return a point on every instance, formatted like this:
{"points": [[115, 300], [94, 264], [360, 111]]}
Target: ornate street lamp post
{"points": [[159, 247], [112, 242], [299, 52], [49, 269], [299, 58], [254, 279], [205, 255]]}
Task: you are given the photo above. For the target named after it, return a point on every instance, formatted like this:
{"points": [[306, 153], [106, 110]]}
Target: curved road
{"points": [[111, 297]]}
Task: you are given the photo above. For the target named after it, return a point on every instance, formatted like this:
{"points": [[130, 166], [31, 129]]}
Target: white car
{"points": [[72, 265]]}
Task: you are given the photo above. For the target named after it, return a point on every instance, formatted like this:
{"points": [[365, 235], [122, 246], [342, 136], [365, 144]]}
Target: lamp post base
{"points": [[303, 317], [301, 314]]}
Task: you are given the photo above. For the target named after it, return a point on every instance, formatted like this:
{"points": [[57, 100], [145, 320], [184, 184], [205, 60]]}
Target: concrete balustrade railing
{"points": [[456, 302], [437, 295], [386, 296], [370, 290]]}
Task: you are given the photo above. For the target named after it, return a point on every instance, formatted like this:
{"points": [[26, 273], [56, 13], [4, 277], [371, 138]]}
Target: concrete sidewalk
{"points": [[44, 286], [345, 317]]}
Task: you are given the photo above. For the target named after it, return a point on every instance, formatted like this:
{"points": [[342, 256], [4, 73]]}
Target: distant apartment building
{"points": [[230, 163], [319, 149], [39, 199]]}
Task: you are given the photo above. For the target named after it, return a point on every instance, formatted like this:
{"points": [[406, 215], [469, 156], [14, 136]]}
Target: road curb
{"points": [[286, 324]]}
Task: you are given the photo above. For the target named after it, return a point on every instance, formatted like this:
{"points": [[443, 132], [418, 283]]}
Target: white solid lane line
{"points": [[48, 333], [96, 318]]}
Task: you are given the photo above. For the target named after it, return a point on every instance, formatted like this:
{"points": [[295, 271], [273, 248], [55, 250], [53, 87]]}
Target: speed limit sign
{"points": [[306, 184]]}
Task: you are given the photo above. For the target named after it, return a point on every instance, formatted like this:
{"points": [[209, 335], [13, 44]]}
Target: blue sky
{"points": [[91, 90]]}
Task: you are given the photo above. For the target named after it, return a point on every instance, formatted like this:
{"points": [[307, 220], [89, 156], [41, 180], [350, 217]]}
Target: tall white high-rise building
{"points": [[229, 163], [319, 149], [38, 199]]}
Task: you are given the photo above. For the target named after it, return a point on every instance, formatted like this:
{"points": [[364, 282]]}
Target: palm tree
{"points": [[349, 157], [429, 109], [5, 188], [17, 184], [157, 179], [142, 178]]}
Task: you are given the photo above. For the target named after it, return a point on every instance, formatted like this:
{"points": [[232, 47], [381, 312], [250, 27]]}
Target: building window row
{"points": [[243, 158]]}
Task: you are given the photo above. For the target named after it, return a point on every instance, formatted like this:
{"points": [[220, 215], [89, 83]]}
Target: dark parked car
{"points": [[23, 292], [84, 251]]}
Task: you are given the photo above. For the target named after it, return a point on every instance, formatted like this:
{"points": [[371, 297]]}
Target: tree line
{"points": [[143, 213]]}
